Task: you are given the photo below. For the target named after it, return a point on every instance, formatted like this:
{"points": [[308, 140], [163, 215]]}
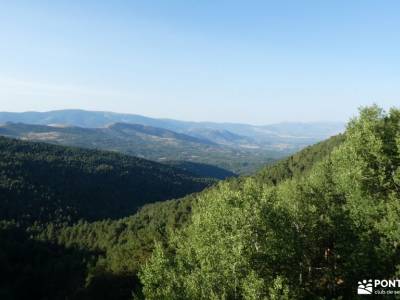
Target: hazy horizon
{"points": [[255, 62], [183, 120]]}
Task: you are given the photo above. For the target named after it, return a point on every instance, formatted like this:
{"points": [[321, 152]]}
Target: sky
{"points": [[255, 62]]}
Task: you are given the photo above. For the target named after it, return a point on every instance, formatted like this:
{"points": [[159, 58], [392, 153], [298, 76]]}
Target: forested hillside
{"points": [[41, 182], [96, 259], [298, 163], [203, 170], [310, 237], [115, 250], [309, 227]]}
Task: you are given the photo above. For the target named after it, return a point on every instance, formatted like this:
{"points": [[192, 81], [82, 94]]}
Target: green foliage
{"points": [[299, 163], [32, 269], [157, 278], [309, 237], [95, 260], [115, 249], [308, 227], [203, 170], [40, 182]]}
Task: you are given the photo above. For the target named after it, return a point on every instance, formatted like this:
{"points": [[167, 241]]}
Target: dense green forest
{"points": [[299, 163], [309, 237], [308, 227], [95, 259], [41, 182], [203, 170]]}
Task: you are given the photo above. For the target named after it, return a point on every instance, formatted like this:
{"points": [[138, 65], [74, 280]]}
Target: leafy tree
{"points": [[312, 236]]}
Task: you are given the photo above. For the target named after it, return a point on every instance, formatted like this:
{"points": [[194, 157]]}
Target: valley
{"points": [[117, 226], [237, 148], [199, 150]]}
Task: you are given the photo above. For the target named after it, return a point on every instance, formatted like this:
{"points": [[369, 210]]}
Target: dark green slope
{"points": [[34, 269], [311, 237], [122, 246], [298, 163], [295, 165], [41, 182], [202, 170], [100, 260], [175, 213]]}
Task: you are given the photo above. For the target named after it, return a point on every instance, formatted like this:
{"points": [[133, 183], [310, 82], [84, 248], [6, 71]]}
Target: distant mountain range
{"points": [[238, 148], [152, 143], [94, 119]]}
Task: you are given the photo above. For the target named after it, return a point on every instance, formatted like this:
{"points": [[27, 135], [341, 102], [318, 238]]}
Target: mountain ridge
{"points": [[86, 118], [152, 143]]}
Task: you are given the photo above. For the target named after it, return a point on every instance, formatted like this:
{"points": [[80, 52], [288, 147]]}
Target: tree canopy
{"points": [[309, 237], [308, 227]]}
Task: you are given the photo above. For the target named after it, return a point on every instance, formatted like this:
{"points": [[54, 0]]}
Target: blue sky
{"points": [[241, 61]]}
